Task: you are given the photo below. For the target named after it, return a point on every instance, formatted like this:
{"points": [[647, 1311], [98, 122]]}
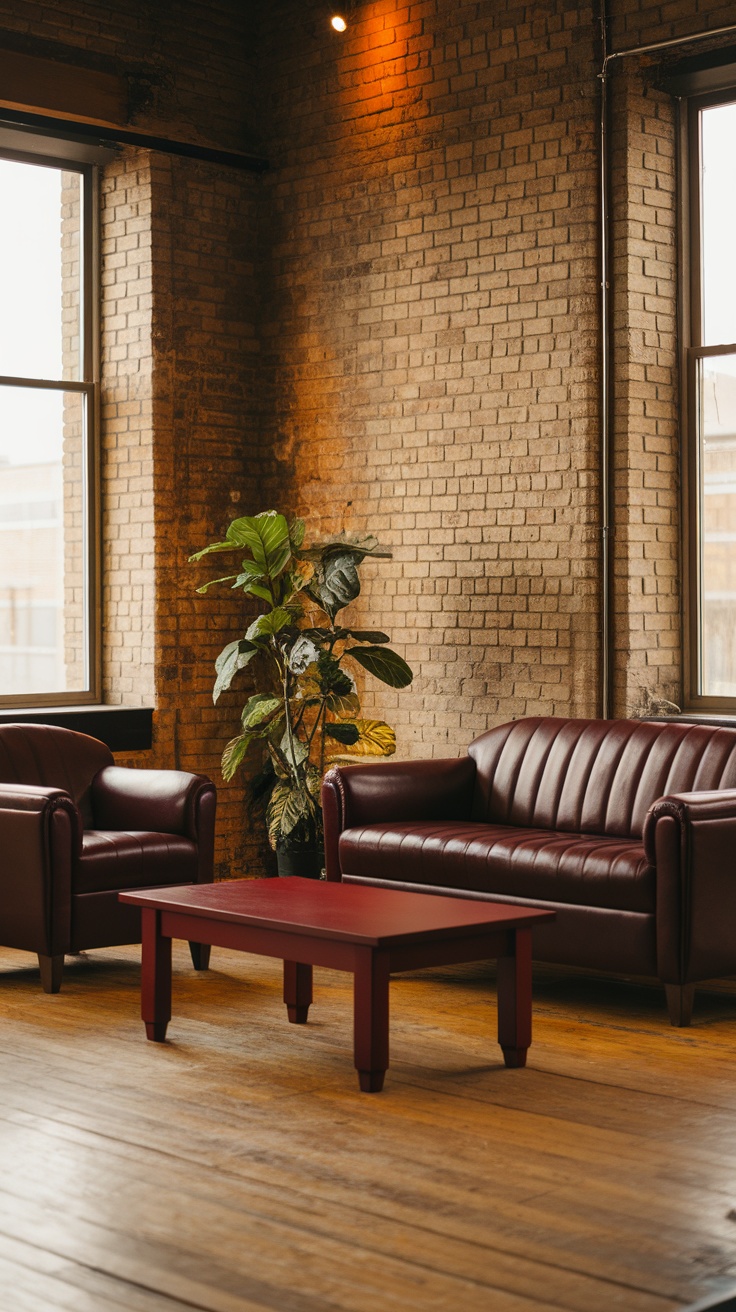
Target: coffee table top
{"points": [[353, 913]]}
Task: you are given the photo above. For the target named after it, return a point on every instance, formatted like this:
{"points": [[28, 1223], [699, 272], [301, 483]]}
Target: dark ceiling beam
{"points": [[58, 99]]}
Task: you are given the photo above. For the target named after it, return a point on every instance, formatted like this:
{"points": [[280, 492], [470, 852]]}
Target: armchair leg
{"points": [[680, 1003], [51, 972], [200, 955]]}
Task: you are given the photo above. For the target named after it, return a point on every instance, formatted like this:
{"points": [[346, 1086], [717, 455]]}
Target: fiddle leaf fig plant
{"points": [[305, 715]]}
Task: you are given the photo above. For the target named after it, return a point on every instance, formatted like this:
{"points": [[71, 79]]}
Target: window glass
{"points": [[40, 271], [46, 404], [43, 646], [718, 223], [717, 443]]}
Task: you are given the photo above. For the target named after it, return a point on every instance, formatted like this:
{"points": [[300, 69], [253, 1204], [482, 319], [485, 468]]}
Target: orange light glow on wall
{"points": [[338, 22]]}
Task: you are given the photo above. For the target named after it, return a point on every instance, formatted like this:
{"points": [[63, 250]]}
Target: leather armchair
{"points": [[75, 830]]}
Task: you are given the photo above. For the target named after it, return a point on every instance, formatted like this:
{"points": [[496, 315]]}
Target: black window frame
{"points": [[692, 352], [34, 149]]}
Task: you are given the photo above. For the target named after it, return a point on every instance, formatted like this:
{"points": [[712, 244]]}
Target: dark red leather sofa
{"points": [[625, 828]]}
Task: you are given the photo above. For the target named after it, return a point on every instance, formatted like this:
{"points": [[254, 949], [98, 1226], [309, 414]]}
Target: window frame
{"points": [[692, 351], [73, 158]]}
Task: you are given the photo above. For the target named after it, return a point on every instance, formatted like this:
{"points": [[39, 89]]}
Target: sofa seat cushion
{"points": [[113, 859], [539, 864]]}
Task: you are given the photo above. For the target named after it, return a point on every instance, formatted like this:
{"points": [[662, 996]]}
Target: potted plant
{"points": [[305, 712]]}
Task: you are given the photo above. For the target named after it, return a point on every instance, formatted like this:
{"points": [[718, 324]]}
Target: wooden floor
{"points": [[238, 1167]]}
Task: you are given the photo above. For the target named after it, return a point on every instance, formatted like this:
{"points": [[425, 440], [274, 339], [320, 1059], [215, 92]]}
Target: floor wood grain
{"points": [[238, 1168]]}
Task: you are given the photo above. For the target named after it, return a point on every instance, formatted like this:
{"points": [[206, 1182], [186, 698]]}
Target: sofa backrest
{"points": [[594, 776], [43, 755]]}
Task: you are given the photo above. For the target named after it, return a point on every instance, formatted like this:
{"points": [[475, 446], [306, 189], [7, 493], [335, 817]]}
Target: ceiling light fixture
{"points": [[338, 23]]}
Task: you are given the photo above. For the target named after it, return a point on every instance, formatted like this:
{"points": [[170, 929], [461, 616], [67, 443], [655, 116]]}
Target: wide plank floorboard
{"points": [[237, 1167]]}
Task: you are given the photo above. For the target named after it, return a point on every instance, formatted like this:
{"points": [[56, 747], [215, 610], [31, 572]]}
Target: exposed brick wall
{"points": [[637, 22], [646, 544], [434, 342], [207, 462], [129, 587], [180, 451], [432, 333]]}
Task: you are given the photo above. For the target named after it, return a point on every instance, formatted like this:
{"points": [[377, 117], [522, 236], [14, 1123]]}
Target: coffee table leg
{"points": [[297, 990], [370, 1033], [515, 999], [155, 976]]}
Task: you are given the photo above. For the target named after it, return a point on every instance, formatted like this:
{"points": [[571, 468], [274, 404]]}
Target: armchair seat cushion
{"points": [[539, 864], [118, 859]]}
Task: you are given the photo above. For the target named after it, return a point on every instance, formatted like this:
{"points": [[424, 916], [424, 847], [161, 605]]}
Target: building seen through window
{"points": [[45, 411]]}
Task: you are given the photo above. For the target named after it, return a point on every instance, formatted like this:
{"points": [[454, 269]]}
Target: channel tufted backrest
{"points": [[594, 776], [48, 757]]}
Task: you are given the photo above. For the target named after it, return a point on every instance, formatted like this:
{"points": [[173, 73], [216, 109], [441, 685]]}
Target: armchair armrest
{"points": [[691, 840], [32, 797], [40, 837], [159, 801], [395, 790]]}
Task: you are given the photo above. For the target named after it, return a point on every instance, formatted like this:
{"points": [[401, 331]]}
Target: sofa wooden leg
{"points": [[200, 955], [680, 1003], [51, 972]]}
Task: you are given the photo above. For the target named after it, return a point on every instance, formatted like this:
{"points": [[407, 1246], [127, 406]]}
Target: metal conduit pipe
{"points": [[606, 333]]}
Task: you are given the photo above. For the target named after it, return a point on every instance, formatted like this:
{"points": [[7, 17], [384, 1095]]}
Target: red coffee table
{"points": [[372, 932]]}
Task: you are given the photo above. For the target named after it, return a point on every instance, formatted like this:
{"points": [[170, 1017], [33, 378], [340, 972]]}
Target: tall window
{"points": [[712, 403], [47, 408]]}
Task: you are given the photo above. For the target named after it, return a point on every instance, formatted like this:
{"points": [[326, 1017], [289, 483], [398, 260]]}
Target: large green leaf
{"points": [[275, 810], [253, 582], [384, 664], [298, 807], [250, 573], [367, 635], [361, 544], [335, 582], [332, 679], [294, 751], [260, 709], [235, 537], [234, 753], [265, 626], [319, 635], [227, 578], [375, 738], [232, 658], [267, 538], [207, 551], [286, 808], [344, 705], [343, 732]]}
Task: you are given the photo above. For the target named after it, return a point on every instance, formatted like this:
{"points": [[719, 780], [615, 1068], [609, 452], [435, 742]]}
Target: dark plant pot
{"points": [[305, 860]]}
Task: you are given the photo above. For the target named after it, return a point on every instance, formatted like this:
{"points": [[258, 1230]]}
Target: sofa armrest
{"points": [[687, 808], [691, 840], [40, 838], [393, 791], [158, 801]]}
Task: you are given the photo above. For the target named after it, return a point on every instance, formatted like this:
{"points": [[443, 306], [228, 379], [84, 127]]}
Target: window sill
{"points": [[717, 719], [122, 728]]}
